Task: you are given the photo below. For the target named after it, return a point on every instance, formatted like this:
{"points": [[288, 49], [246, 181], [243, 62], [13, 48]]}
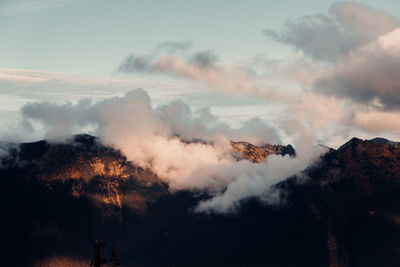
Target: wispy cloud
{"points": [[202, 67], [51, 86], [12, 7], [173, 47]]}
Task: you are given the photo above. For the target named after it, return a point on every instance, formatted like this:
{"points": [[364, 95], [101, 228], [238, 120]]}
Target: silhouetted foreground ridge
{"points": [[57, 199]]}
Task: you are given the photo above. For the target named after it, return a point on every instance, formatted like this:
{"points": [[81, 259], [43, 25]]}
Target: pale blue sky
{"points": [[92, 37], [65, 50]]}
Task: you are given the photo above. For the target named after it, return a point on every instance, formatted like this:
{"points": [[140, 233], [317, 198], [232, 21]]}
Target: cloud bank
{"points": [[368, 75], [346, 26], [157, 138], [357, 46]]}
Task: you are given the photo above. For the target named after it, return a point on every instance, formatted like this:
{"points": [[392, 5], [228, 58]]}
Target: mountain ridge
{"points": [[342, 211]]}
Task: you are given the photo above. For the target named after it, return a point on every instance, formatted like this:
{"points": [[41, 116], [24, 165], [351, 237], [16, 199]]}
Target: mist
{"points": [[190, 150]]}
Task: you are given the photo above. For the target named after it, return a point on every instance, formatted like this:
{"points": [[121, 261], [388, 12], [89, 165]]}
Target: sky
{"points": [[282, 61], [171, 83], [91, 37]]}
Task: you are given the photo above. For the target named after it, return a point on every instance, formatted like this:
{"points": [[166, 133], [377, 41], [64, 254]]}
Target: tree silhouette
{"points": [[114, 258], [97, 261]]}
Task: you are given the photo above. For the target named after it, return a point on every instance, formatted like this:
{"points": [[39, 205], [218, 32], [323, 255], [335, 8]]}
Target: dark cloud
{"points": [[369, 77], [318, 36], [144, 63], [172, 47], [327, 37], [202, 67], [204, 59], [360, 42], [132, 63]]}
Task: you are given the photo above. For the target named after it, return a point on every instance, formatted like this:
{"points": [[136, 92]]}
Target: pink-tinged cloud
{"points": [[202, 67], [368, 75], [157, 138], [328, 37]]}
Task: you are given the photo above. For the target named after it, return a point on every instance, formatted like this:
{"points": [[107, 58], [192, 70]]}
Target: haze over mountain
{"points": [[209, 133]]}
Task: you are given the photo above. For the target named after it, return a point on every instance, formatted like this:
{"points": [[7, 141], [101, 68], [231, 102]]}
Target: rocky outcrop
{"points": [[87, 169], [259, 153]]}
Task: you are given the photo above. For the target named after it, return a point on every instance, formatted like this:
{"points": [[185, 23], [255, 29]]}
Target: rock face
{"points": [[91, 170], [259, 153], [56, 199]]}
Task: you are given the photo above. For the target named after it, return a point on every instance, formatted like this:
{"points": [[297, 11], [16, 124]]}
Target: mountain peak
{"points": [[259, 153], [377, 141], [383, 141], [85, 139]]}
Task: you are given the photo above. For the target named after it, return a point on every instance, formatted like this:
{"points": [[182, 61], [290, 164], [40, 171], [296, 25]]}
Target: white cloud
{"points": [[154, 138]]}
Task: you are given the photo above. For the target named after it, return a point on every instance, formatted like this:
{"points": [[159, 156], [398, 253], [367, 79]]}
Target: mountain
{"points": [[57, 199], [354, 193], [259, 153]]}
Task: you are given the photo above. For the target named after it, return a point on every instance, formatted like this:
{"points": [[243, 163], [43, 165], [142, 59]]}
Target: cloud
{"points": [[204, 59], [317, 36], [143, 63], [377, 122], [327, 37], [202, 67], [18, 86], [362, 19], [257, 180], [60, 118], [206, 70], [173, 47], [4, 154], [134, 63], [253, 181], [352, 55], [156, 138], [10, 156], [368, 75], [313, 91], [316, 110], [203, 125], [12, 7], [176, 119]]}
